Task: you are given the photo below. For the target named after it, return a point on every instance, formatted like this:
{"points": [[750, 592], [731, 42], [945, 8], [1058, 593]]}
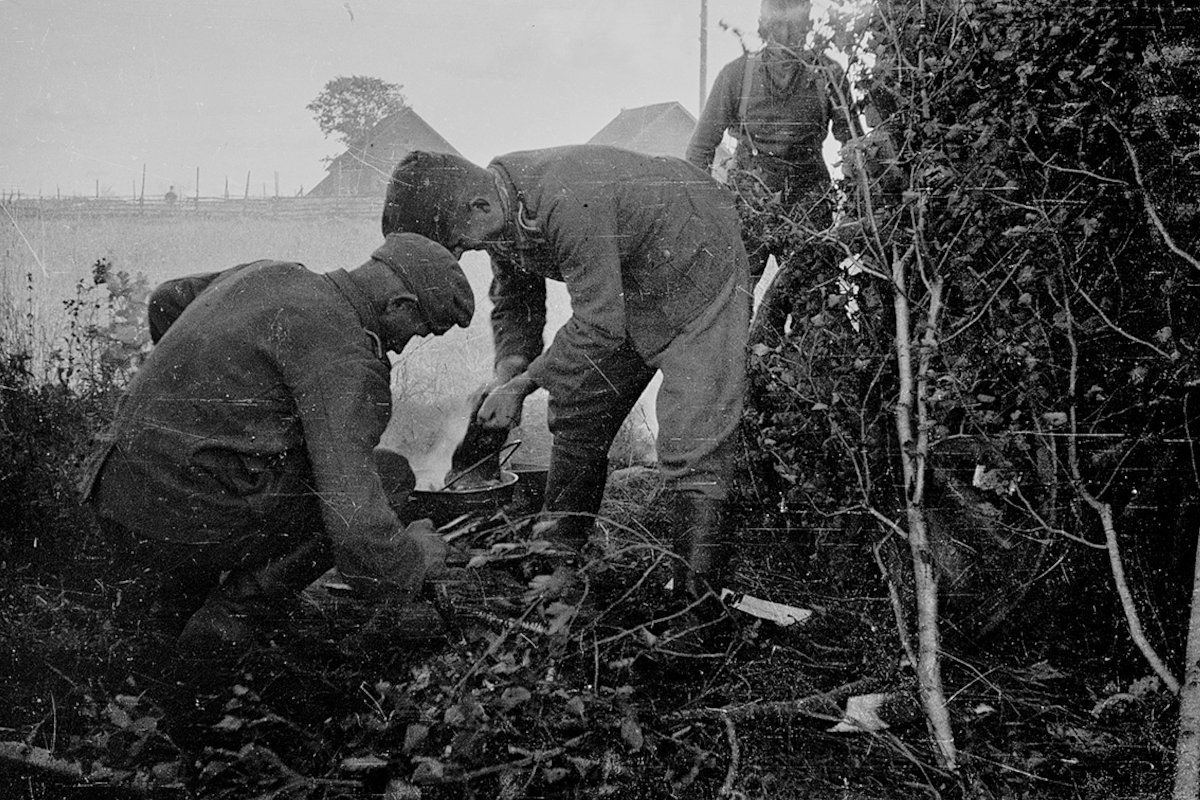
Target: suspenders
{"points": [[752, 62]]}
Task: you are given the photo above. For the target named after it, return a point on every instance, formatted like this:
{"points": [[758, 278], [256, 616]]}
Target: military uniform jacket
{"points": [[642, 243], [269, 388]]}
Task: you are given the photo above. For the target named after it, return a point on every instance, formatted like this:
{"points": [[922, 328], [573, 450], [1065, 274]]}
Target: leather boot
{"points": [[574, 489], [250, 603], [700, 537]]}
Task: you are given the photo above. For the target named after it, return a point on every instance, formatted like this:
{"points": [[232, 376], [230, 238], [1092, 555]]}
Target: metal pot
{"points": [[444, 505]]}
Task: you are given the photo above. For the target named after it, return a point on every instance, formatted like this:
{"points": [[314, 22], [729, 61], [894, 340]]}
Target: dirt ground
{"points": [[530, 673]]}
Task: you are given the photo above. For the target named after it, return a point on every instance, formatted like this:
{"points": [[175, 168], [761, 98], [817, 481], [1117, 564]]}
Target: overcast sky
{"points": [[93, 89]]}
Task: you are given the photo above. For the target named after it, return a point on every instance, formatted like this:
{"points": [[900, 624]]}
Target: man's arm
{"points": [[518, 321], [718, 115], [518, 316], [343, 400], [169, 299]]}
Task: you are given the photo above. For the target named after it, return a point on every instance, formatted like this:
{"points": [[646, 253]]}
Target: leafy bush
{"points": [[1035, 230], [51, 410]]}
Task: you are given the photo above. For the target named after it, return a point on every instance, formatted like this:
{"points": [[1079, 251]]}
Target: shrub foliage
{"points": [[51, 407], [1021, 226]]}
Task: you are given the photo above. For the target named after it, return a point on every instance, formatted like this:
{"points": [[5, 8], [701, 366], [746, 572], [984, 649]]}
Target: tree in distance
{"points": [[348, 107]]}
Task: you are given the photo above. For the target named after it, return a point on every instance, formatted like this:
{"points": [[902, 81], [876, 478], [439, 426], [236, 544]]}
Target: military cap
{"points": [[433, 275]]}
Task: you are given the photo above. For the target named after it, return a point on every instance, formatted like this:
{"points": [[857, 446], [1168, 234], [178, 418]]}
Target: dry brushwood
{"points": [[22, 757], [824, 705]]}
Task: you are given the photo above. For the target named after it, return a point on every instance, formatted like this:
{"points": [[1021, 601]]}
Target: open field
{"points": [[52, 253]]}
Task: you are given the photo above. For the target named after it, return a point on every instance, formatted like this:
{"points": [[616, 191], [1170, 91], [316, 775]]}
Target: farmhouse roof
{"points": [[661, 129], [364, 168]]}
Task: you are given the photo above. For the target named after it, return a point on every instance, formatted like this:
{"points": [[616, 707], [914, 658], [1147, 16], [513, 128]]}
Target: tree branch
{"points": [[897, 605], [823, 705], [1136, 631], [1118, 329], [913, 440], [1187, 741], [735, 757], [40, 760], [1104, 510], [1151, 211]]}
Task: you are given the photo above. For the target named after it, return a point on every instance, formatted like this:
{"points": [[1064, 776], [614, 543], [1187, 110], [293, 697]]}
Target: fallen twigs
{"points": [[822, 705], [735, 757], [40, 760], [293, 779], [19, 756]]}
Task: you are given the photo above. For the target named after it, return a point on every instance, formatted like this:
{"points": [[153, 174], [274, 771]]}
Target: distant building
{"points": [[364, 169], [662, 129]]}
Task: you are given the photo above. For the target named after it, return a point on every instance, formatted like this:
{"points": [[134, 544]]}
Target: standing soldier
{"points": [[779, 104], [652, 258]]}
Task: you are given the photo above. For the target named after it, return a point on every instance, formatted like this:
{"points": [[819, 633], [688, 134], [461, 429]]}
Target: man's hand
{"points": [[502, 406], [394, 566]]}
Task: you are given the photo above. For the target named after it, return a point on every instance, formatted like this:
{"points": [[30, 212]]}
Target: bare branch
{"points": [[890, 524], [1151, 211], [1131, 615], [1104, 510], [41, 760], [897, 605], [735, 755], [1029, 151], [1117, 328], [1057, 531], [986, 305], [823, 705], [1187, 743]]}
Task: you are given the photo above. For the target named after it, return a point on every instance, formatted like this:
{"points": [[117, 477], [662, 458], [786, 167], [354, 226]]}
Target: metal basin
{"points": [[447, 504]]}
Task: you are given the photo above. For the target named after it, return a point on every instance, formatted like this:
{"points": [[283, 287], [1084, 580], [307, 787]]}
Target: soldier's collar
{"points": [[358, 300], [519, 227]]}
